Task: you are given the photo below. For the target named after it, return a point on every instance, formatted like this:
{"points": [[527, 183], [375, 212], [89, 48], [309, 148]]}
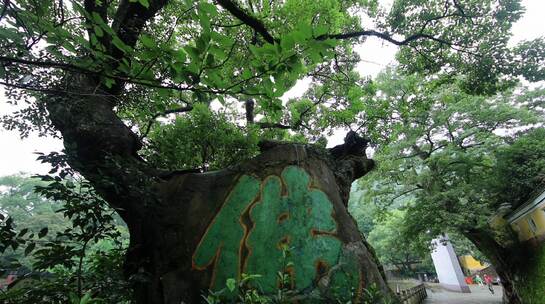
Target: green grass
{"points": [[532, 282]]}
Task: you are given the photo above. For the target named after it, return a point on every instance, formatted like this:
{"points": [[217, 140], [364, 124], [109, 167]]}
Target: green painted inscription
{"points": [[300, 219], [222, 241]]}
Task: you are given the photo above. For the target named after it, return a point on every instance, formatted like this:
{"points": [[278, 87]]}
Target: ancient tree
{"points": [[100, 73]]}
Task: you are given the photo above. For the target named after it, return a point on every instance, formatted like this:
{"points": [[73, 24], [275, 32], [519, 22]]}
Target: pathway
{"points": [[478, 295]]}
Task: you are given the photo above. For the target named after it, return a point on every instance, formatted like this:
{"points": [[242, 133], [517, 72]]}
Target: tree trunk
{"points": [[191, 232], [218, 225], [502, 259], [284, 211]]}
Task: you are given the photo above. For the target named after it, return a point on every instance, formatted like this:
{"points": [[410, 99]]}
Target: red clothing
{"points": [[487, 279]]}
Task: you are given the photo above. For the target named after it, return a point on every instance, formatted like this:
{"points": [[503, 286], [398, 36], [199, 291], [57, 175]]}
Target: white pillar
{"points": [[447, 266]]}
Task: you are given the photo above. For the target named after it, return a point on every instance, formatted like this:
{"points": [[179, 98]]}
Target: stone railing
{"points": [[413, 295]]}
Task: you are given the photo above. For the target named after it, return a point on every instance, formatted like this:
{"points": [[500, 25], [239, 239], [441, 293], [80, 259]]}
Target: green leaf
{"points": [[147, 41], [29, 248], [43, 232], [67, 45], [204, 21], [331, 42], [246, 74], [287, 42], [180, 55], [98, 31], [86, 298], [210, 60], [144, 3], [164, 93], [98, 19], [320, 30], [304, 31], [219, 53], [224, 41], [231, 284], [109, 82], [194, 53], [22, 232], [208, 8], [120, 44], [202, 42]]}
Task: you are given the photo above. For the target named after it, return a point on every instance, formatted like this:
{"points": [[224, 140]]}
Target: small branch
{"points": [[269, 125], [306, 111], [4, 9], [157, 115], [384, 36], [229, 55], [227, 25], [418, 152], [80, 267], [403, 194]]}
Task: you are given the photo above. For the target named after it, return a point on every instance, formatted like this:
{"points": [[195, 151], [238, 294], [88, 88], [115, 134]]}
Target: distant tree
{"points": [[394, 248], [29, 211], [63, 228], [454, 152]]}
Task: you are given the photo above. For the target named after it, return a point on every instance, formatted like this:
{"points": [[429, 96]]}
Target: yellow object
{"points": [[468, 262], [529, 219]]}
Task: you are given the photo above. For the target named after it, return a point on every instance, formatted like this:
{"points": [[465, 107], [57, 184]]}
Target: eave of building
{"points": [[531, 205]]}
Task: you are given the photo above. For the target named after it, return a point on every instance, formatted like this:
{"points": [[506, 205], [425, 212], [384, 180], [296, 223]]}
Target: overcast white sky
{"points": [[17, 155]]}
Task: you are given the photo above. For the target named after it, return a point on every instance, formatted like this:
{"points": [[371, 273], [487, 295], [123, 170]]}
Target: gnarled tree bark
{"points": [[168, 215]]}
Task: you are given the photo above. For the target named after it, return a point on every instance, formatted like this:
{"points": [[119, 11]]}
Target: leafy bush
{"points": [[79, 260]]}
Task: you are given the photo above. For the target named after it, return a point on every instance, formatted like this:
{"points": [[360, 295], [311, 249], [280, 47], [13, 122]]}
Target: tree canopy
{"points": [[455, 153], [107, 76], [179, 53]]}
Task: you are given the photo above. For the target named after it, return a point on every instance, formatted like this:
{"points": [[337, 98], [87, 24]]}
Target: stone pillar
{"points": [[447, 265]]}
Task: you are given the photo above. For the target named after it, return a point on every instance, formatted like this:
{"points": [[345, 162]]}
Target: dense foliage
{"points": [[201, 139], [198, 52], [62, 242], [520, 168], [448, 149], [101, 73]]}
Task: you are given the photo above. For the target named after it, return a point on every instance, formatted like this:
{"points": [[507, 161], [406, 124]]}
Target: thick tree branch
{"points": [[247, 19], [6, 61], [129, 20], [101, 9], [260, 28], [249, 108]]}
